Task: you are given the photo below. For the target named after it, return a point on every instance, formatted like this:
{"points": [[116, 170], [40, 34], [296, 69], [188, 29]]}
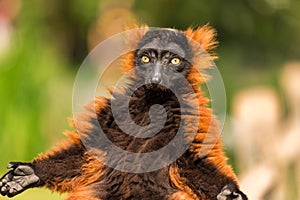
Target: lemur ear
{"points": [[202, 40], [205, 36], [133, 35]]}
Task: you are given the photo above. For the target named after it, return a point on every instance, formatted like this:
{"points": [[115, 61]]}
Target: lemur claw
{"points": [[20, 178]]}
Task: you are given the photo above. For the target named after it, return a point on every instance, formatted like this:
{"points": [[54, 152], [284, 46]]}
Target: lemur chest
{"points": [[152, 185], [143, 126], [133, 128]]}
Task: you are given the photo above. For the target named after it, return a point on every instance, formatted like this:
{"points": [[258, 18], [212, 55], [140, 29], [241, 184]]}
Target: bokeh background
{"points": [[42, 44]]}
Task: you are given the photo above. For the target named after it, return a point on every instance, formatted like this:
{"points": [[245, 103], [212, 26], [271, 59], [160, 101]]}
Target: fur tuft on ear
{"points": [[205, 36], [132, 39], [202, 41]]}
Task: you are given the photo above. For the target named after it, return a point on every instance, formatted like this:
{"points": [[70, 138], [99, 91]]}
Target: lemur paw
{"points": [[20, 178], [230, 192]]}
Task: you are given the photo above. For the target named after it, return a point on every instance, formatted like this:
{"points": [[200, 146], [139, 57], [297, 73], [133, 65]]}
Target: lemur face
{"points": [[163, 57]]}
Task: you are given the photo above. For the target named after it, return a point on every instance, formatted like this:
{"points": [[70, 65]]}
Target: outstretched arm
{"points": [[67, 167], [61, 169]]}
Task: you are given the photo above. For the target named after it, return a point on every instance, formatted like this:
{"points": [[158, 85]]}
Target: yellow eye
{"points": [[175, 61], [145, 59]]}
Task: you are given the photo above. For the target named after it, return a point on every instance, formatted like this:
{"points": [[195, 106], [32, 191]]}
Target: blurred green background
{"points": [[42, 44]]}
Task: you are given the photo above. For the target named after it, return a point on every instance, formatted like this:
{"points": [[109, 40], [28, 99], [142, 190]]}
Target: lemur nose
{"points": [[156, 79]]}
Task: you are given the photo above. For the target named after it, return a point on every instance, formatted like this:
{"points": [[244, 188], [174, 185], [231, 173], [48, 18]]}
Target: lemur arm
{"points": [[67, 167], [62, 169]]}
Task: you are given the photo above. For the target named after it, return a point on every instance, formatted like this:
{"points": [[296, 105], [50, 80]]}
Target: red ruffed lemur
{"points": [[161, 57]]}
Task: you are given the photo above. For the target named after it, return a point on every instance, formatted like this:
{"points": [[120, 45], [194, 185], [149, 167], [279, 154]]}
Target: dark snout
{"points": [[156, 77]]}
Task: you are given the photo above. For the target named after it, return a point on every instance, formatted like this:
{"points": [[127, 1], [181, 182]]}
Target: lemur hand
{"points": [[20, 178], [230, 192]]}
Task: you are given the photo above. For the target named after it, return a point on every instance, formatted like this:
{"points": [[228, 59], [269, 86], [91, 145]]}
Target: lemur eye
{"points": [[145, 59], [175, 61]]}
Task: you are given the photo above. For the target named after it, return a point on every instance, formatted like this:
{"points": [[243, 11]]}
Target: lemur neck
{"points": [[159, 94], [149, 95]]}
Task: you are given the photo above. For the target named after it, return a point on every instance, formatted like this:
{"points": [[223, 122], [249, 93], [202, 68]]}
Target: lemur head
{"points": [[163, 56]]}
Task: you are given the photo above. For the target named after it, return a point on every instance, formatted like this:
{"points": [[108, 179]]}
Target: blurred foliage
{"points": [[49, 43], [32, 76]]}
